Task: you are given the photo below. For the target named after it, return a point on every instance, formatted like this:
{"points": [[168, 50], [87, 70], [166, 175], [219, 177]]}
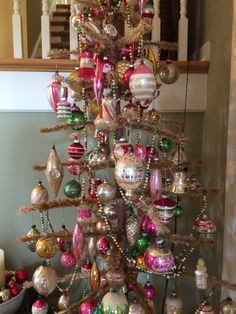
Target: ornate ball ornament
{"points": [[31, 243], [228, 306], [115, 278], [103, 245], [76, 150], [159, 258], [143, 242], [121, 148], [149, 290], [114, 302], [68, 260], [72, 189], [173, 304], [121, 67], [39, 196], [88, 306], [207, 309], [74, 170], [165, 206], [44, 280], [132, 229], [136, 308], [40, 306], [147, 225], [53, 91], [63, 302], [140, 261], [165, 145], [64, 243], [142, 83], [129, 172], [106, 191], [140, 151], [110, 210], [46, 248], [97, 158], [84, 214], [205, 227], [4, 295], [169, 73]]}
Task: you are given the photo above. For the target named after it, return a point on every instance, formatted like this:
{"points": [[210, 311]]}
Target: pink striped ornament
{"points": [[76, 150]]}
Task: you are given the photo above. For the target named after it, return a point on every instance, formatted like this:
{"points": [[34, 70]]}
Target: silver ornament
{"points": [[110, 210], [63, 302], [228, 306], [132, 229], [44, 280], [92, 247], [106, 191]]}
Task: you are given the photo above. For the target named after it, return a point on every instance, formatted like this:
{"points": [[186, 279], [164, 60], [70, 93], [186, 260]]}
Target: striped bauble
{"points": [[76, 150], [142, 83]]}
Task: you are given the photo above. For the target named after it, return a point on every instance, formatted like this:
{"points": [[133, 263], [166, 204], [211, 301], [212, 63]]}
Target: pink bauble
{"points": [[149, 290], [147, 225], [40, 306], [127, 75], [103, 245], [86, 68], [91, 192], [68, 260], [151, 153], [63, 243], [155, 184], [88, 306], [74, 170], [86, 267], [78, 242]]}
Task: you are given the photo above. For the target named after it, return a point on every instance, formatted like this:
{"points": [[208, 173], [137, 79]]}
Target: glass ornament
{"points": [[169, 73], [228, 306], [142, 83], [44, 280], [115, 278], [207, 309], [106, 119], [143, 242], [63, 242], [115, 302], [121, 67], [103, 245], [39, 196], [53, 91], [155, 183], [149, 290], [201, 275], [63, 302], [68, 260], [46, 248], [121, 147], [165, 206], [88, 306], [32, 243], [72, 189], [129, 172], [76, 116], [165, 145], [173, 304], [178, 211], [159, 258], [106, 191], [63, 110], [86, 65], [95, 276], [40, 306], [110, 210], [179, 183], [78, 242], [178, 157], [205, 227], [127, 75], [75, 150]]}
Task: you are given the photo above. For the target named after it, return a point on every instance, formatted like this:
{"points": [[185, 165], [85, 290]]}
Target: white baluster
{"points": [[183, 31], [156, 22], [73, 31], [17, 29], [45, 29]]}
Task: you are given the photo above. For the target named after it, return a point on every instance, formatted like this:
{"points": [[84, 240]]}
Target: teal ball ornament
{"points": [[72, 189]]}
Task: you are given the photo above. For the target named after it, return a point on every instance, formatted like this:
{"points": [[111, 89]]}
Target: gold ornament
{"points": [[179, 183], [178, 156], [31, 243], [151, 116], [63, 302], [39, 196], [54, 171], [102, 227], [93, 109], [151, 57], [46, 248], [95, 277], [121, 67], [44, 280], [140, 261], [136, 308]]}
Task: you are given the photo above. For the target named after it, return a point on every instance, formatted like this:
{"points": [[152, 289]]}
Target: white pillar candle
{"points": [[2, 269]]}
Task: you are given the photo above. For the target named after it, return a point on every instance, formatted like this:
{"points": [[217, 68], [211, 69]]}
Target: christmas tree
{"points": [[129, 174]]}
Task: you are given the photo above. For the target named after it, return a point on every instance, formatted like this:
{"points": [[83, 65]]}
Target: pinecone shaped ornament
{"points": [[132, 229], [54, 171]]}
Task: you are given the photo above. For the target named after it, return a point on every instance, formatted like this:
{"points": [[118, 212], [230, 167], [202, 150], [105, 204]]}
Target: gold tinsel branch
{"points": [[64, 126], [132, 37]]}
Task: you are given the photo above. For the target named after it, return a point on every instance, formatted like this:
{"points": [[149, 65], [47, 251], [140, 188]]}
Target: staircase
{"points": [[60, 36]]}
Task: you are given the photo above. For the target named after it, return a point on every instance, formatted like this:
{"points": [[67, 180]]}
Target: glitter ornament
{"points": [[44, 280], [129, 172], [63, 302], [40, 306], [142, 83], [68, 260], [159, 258], [228, 306], [205, 227], [39, 196], [169, 73], [106, 191], [76, 150], [149, 290], [88, 306], [114, 302], [103, 245], [173, 304]]}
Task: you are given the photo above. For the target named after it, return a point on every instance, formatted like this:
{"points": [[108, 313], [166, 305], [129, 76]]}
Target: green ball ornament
{"points": [[165, 145], [178, 211], [143, 243], [77, 116], [98, 310], [134, 252], [72, 189]]}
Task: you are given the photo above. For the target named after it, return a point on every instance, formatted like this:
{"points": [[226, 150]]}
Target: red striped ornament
{"points": [[76, 150], [142, 83]]}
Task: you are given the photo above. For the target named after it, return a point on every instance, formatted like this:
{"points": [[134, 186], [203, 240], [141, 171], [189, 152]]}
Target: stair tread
{"points": [[60, 33], [60, 23], [60, 45], [63, 6], [65, 14]]}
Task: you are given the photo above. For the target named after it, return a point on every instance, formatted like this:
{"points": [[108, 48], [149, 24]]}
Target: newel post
{"points": [[183, 32], [45, 29], [17, 29], [73, 31]]}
